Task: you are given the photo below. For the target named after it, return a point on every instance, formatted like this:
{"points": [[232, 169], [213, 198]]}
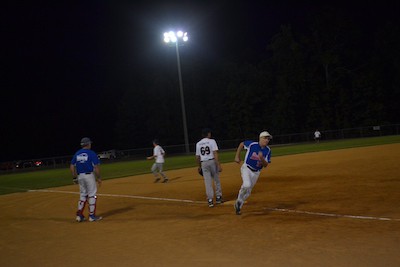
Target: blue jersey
{"points": [[84, 160], [251, 159]]}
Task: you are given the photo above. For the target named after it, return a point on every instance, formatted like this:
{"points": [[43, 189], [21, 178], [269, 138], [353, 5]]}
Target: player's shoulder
{"points": [[212, 140], [248, 143], [203, 141], [91, 152]]}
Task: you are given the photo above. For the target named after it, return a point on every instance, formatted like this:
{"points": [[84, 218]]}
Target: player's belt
{"points": [[207, 160], [87, 173], [251, 169]]}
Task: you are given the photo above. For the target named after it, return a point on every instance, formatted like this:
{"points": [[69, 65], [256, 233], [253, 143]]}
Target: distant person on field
{"points": [[157, 168], [86, 172], [258, 156], [210, 167], [317, 136]]}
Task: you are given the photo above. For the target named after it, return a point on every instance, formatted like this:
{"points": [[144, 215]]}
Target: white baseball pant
{"points": [[249, 179]]}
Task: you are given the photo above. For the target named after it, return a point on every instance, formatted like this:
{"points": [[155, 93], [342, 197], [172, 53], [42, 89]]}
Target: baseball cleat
{"points": [[219, 200], [80, 218], [165, 181], [210, 203], [93, 218], [237, 207], [156, 180]]}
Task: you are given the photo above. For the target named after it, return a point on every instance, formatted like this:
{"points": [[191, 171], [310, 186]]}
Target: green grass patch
{"points": [[22, 181]]}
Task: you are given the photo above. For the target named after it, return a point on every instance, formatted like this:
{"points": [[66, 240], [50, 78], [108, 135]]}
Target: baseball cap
{"points": [[265, 134], [85, 141], [205, 131]]}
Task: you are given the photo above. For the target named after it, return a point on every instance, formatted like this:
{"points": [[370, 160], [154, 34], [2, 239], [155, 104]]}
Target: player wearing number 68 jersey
{"points": [[208, 163]]}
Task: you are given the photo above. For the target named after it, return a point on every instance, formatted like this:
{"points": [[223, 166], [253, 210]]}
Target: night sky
{"points": [[65, 65]]}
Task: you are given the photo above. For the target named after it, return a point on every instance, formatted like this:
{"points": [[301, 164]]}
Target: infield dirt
{"points": [[336, 208]]}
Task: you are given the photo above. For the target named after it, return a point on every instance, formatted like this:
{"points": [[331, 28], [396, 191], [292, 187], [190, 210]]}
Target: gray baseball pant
{"points": [[210, 175]]}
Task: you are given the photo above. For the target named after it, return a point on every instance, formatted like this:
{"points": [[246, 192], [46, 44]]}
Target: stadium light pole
{"points": [[176, 37]]}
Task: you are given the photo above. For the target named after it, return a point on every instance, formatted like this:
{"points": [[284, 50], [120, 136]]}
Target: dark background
{"points": [[101, 69]]}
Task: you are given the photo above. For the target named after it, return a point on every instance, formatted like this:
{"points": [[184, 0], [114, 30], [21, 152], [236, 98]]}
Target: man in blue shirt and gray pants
{"points": [[85, 172]]}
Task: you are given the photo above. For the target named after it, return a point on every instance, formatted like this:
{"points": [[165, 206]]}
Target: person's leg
{"points": [[83, 194], [92, 197], [246, 184], [154, 171], [249, 179], [160, 170], [217, 182], [208, 182]]}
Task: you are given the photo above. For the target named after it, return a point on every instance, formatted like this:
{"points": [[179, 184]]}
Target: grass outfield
{"points": [[20, 182]]}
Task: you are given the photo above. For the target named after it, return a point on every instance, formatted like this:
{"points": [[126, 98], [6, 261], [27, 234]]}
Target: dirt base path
{"points": [[337, 208]]}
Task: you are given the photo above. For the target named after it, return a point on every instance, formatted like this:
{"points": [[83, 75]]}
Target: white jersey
{"points": [[158, 153], [205, 149]]}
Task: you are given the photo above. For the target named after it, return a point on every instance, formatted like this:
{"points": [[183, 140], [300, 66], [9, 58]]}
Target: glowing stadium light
{"points": [[173, 37]]}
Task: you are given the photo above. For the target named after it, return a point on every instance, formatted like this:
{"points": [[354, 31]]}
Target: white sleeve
{"points": [[215, 146]]}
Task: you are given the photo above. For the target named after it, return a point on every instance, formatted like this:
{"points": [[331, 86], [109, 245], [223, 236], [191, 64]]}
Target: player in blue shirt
{"points": [[258, 156], [85, 171]]}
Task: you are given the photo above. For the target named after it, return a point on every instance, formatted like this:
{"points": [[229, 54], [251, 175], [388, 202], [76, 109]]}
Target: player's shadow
{"points": [[117, 211], [174, 178], [179, 177], [274, 209]]}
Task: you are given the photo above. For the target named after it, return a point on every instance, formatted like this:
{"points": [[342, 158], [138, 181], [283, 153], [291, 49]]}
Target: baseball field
{"points": [[327, 208]]}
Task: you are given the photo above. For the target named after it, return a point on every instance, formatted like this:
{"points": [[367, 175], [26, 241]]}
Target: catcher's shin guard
{"points": [[92, 205], [81, 206]]}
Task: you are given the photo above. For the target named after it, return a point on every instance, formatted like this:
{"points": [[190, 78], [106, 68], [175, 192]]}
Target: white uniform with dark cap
{"points": [[207, 158], [157, 167]]}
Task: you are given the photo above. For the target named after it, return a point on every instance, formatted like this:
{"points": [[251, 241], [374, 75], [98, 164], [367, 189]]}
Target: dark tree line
{"points": [[331, 73]]}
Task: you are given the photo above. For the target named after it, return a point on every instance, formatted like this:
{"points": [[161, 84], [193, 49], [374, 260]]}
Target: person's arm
{"points": [[96, 170], [238, 150], [73, 170], [74, 174], [154, 154], [262, 159], [198, 162], [216, 158]]}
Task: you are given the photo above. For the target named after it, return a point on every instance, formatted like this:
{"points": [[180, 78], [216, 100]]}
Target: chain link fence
{"points": [[141, 153]]}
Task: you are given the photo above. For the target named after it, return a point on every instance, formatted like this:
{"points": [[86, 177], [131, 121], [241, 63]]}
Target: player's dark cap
{"points": [[85, 141], [205, 131], [155, 141]]}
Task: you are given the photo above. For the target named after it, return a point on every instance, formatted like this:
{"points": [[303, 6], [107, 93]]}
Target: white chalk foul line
{"points": [[123, 196], [202, 202], [334, 215]]}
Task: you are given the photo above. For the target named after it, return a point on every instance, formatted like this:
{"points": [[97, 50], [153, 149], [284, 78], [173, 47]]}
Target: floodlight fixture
{"points": [[173, 37]]}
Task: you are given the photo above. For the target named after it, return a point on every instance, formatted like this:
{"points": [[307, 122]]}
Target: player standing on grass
{"points": [[208, 162], [317, 136], [157, 168], [85, 171], [258, 156]]}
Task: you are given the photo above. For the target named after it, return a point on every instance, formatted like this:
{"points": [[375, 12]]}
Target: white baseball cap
{"points": [[265, 134]]}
